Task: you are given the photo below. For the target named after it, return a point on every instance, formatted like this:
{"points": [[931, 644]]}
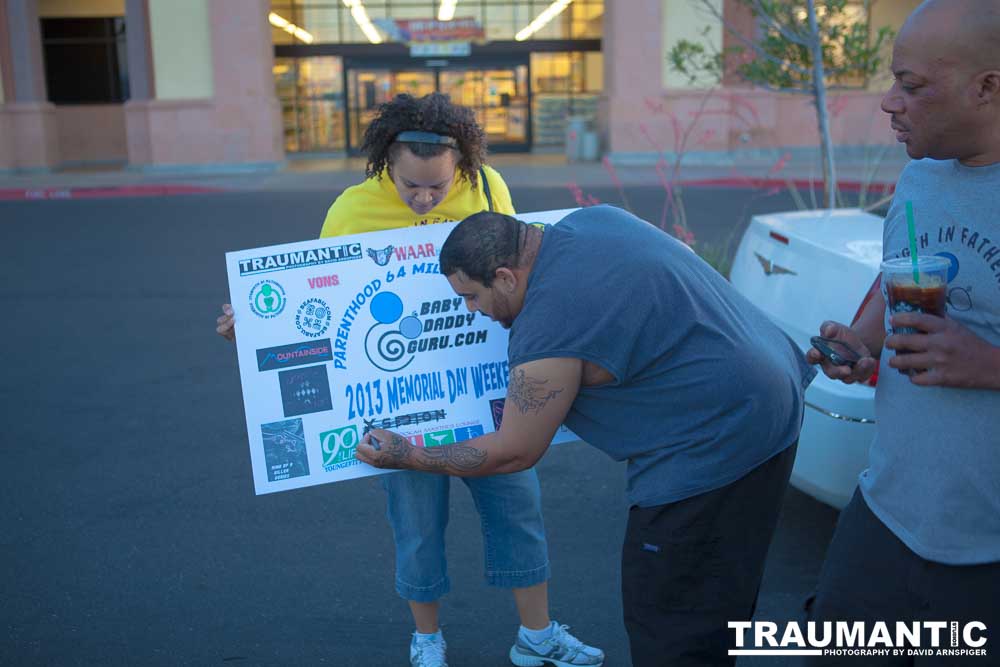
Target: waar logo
{"points": [[381, 257], [385, 342]]}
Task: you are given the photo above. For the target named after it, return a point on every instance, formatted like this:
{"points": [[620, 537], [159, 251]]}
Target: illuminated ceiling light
{"points": [[279, 21], [360, 15], [446, 11], [542, 19], [553, 10]]}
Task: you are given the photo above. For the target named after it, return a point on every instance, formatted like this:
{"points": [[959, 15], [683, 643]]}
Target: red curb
{"points": [[29, 194]]}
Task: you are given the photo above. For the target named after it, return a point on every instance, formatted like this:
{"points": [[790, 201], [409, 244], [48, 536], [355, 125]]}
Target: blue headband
{"points": [[419, 137]]}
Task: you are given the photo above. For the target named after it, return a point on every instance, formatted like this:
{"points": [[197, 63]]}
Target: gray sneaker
{"points": [[561, 649], [428, 652]]}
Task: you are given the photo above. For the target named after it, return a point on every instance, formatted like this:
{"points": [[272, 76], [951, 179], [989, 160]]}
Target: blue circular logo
{"points": [[313, 318], [411, 327], [386, 307]]}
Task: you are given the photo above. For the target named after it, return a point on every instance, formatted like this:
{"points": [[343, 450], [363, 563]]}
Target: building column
{"points": [[633, 75], [206, 94], [140, 77], [6, 90], [248, 110], [28, 131]]}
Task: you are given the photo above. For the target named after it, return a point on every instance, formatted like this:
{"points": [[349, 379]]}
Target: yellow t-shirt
{"points": [[375, 205]]}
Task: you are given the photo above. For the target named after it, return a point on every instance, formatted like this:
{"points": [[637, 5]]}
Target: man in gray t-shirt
{"points": [[622, 333], [920, 541]]}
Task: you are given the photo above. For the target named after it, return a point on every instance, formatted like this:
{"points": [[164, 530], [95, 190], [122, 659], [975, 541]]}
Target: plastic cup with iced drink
{"points": [[925, 292]]}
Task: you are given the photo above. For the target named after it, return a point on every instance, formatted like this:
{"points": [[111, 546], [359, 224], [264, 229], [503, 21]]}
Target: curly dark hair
{"points": [[431, 113]]}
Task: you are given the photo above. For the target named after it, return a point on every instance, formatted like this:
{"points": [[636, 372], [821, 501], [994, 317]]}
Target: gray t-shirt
{"points": [[934, 475], [706, 388]]}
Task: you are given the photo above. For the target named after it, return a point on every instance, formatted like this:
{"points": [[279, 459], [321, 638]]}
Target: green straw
{"points": [[912, 231]]}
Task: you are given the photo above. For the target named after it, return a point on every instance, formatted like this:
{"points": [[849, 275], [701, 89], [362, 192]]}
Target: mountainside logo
{"points": [[296, 354], [858, 639], [300, 259]]}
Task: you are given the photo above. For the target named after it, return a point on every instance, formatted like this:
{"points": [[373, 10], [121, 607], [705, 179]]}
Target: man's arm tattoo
{"points": [[529, 394], [397, 451], [455, 457]]}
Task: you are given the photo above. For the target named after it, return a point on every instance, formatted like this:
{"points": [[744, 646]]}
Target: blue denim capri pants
{"points": [[510, 513]]}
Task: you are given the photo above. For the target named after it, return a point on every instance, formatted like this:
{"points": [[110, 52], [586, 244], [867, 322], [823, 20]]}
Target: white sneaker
{"points": [[561, 649], [428, 652]]}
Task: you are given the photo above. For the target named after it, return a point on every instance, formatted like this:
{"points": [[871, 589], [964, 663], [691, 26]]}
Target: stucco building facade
{"points": [[248, 84]]}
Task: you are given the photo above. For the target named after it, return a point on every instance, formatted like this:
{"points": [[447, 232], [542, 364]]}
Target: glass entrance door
{"points": [[367, 88], [498, 95]]}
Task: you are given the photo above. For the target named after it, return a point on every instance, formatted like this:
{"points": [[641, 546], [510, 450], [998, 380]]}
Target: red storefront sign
{"points": [[430, 30]]}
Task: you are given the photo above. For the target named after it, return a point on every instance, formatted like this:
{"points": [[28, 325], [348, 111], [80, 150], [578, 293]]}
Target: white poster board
{"points": [[341, 333]]}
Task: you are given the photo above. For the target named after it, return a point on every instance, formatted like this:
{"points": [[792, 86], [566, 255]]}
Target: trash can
{"points": [[576, 128], [588, 147]]}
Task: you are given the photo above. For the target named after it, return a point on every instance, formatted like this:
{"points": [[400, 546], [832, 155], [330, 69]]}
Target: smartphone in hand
{"points": [[837, 352]]}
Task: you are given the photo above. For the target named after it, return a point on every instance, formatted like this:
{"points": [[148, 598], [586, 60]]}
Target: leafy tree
{"points": [[803, 46]]}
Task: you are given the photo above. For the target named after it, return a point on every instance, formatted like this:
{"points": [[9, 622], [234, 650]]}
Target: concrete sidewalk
{"points": [[537, 170]]}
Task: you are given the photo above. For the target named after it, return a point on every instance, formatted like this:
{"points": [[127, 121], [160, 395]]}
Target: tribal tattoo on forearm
{"points": [[464, 458], [529, 394]]}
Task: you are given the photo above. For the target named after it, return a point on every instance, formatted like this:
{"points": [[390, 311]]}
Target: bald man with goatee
{"points": [[920, 540]]}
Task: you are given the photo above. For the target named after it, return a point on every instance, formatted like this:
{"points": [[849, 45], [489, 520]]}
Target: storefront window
{"points": [[85, 60], [502, 21], [323, 22], [331, 22], [328, 102], [311, 93], [498, 95], [372, 87], [587, 20], [563, 85]]}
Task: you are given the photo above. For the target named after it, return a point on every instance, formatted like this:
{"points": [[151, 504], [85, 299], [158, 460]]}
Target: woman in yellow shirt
{"points": [[426, 165]]}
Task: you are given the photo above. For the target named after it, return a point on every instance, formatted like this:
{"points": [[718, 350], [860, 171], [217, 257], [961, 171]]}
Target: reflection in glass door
{"points": [[367, 88], [499, 96]]}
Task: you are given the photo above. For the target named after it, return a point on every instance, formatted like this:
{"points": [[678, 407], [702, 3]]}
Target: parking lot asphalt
{"points": [[132, 532]]}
